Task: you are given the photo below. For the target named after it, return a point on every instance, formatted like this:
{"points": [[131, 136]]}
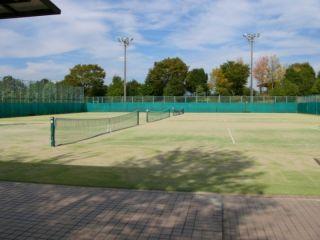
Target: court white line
{"points": [[230, 134]]}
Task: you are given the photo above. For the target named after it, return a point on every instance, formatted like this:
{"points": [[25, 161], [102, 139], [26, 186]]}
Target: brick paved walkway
{"points": [[34, 211]]}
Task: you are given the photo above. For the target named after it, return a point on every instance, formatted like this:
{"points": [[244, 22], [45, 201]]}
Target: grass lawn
{"points": [[225, 153]]}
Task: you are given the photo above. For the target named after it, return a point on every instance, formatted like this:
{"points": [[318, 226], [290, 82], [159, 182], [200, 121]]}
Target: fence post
{"points": [[174, 99], [53, 130], [317, 104], [219, 99], [153, 98], [286, 99], [109, 122]]}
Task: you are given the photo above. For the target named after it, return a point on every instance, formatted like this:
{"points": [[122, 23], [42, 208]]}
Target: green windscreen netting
{"points": [[309, 104], [66, 130], [157, 115]]}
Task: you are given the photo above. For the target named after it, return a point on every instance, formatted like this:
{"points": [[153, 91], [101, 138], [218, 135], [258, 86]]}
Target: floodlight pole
{"points": [[125, 41], [251, 38]]}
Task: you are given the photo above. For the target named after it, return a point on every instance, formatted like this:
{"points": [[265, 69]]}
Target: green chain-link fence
{"points": [[309, 104], [17, 91], [25, 98]]}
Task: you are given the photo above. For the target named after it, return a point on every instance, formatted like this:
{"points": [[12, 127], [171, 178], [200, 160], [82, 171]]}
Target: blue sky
{"points": [[203, 33]]}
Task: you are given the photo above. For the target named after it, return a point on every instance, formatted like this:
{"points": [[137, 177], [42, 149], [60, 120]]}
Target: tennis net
{"points": [[176, 112], [157, 115], [66, 130]]}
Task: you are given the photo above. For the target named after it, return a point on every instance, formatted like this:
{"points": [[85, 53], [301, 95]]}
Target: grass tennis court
{"points": [[215, 152]]}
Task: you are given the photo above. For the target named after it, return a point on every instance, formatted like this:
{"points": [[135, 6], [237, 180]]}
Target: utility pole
{"points": [[125, 41], [251, 38]]}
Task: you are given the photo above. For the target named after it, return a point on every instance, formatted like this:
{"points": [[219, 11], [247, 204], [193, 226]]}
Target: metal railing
{"points": [[307, 99], [193, 99]]}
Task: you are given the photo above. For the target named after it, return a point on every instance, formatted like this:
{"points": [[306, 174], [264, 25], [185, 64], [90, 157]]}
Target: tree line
{"points": [[172, 77], [16, 89]]}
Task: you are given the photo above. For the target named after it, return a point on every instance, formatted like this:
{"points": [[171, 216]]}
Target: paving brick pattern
{"points": [[271, 218], [36, 211]]}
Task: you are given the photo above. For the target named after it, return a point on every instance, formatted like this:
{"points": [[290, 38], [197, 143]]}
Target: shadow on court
{"points": [[196, 170], [219, 171], [61, 212]]}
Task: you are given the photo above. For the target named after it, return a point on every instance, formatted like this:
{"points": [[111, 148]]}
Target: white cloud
{"points": [[36, 70], [204, 33]]}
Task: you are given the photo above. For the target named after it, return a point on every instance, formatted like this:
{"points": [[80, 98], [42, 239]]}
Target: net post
{"points": [[138, 118], [147, 115], [52, 130]]}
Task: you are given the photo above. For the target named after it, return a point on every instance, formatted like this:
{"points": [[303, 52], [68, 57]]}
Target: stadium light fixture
{"points": [[125, 41], [251, 37]]}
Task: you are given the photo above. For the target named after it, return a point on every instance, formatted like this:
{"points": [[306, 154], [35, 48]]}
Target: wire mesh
{"points": [[176, 112], [194, 99], [309, 104], [153, 116], [17, 91], [68, 130]]}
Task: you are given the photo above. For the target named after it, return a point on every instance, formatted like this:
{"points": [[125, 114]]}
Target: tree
{"points": [[43, 89], [197, 81], [237, 74], [285, 88], [268, 71], [201, 90], [90, 77], [146, 89], [303, 76], [11, 87], [116, 87], [316, 87], [167, 75], [11, 84], [261, 72], [219, 83], [276, 71], [174, 87], [133, 88]]}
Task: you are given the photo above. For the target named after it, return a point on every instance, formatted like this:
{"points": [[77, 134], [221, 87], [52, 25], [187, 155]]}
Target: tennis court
{"points": [[213, 152]]}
